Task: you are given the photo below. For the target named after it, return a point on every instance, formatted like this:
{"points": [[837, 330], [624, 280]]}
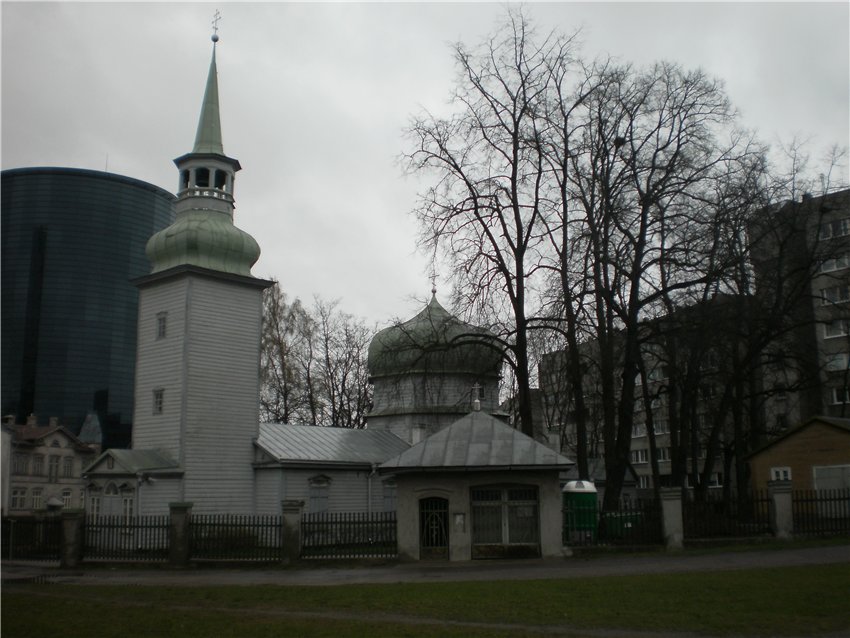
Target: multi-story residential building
{"points": [[46, 469], [746, 367]]}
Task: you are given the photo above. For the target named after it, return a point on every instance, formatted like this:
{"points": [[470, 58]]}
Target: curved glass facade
{"points": [[72, 241]]}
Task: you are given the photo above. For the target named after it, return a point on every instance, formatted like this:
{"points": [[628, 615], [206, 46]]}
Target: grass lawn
{"points": [[795, 601]]}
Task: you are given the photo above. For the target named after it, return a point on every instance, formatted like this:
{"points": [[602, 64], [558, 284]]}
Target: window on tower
{"points": [[158, 400], [161, 324], [220, 180]]}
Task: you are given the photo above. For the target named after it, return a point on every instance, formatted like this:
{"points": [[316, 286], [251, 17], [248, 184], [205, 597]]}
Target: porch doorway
{"points": [[433, 528]]}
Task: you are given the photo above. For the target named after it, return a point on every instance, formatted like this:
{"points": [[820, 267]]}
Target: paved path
{"points": [[317, 574]]}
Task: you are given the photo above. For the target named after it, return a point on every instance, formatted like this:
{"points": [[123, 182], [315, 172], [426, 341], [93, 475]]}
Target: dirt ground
{"points": [[318, 573]]}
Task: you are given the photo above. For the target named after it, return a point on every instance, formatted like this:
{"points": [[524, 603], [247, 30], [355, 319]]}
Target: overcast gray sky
{"points": [[314, 98]]}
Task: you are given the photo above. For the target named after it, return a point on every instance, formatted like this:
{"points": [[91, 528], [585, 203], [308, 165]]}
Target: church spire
{"points": [[203, 233], [208, 137]]}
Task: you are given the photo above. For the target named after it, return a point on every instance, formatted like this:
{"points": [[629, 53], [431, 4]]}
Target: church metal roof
{"points": [[307, 444], [477, 441]]}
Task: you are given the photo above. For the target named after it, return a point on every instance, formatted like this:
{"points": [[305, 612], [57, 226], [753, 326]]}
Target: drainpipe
{"points": [[369, 488]]}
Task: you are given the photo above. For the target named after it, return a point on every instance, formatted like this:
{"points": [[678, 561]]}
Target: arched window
{"points": [[202, 177], [184, 180], [220, 180]]}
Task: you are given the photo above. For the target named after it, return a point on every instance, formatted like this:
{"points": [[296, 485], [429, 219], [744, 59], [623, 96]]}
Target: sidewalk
{"points": [[315, 573]]}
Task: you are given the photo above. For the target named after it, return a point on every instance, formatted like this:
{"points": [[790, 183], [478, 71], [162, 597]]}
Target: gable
{"points": [[815, 437]]}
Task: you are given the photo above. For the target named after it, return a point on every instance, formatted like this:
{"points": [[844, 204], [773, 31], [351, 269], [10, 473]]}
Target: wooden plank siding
{"points": [[159, 365], [222, 409]]}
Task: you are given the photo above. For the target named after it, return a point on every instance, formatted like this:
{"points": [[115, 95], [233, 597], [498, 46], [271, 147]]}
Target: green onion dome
{"points": [[434, 342], [203, 238]]}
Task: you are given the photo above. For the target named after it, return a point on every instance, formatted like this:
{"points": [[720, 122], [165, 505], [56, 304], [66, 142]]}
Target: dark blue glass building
{"points": [[72, 241]]}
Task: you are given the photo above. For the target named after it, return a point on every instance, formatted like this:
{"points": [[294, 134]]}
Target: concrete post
{"points": [[290, 533], [71, 552], [179, 535], [671, 517], [781, 512]]}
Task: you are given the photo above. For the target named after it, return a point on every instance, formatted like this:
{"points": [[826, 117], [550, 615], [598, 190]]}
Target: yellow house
{"points": [[813, 456]]}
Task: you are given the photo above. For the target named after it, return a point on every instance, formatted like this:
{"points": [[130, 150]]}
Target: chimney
{"points": [[32, 420]]}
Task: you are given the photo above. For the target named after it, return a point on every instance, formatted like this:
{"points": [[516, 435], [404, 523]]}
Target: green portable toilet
{"points": [[580, 512]]}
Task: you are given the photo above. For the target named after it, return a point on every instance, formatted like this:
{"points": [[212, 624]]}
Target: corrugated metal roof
{"points": [[478, 441], [312, 444]]}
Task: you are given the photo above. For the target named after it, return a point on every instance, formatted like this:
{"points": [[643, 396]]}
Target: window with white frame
{"points": [[161, 325], [94, 506], [663, 453], [21, 464], [640, 456], [839, 262], [53, 468], [318, 494], [834, 295], [18, 500], [638, 430], [127, 508], [66, 498], [37, 498], [389, 495], [782, 473], [644, 482], [837, 328], [661, 426], [837, 361], [158, 400], [835, 228], [840, 396]]}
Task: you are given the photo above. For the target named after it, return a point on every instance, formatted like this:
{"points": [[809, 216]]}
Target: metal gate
{"points": [[433, 528]]}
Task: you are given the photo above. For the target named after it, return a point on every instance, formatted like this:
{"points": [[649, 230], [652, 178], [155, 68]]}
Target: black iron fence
{"points": [[32, 538], [126, 538], [822, 512], [716, 517], [348, 535], [232, 537], [634, 523]]}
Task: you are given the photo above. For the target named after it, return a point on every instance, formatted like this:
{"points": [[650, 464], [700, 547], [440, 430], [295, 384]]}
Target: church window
{"points": [[220, 180], [161, 324], [158, 400], [94, 506], [184, 180], [319, 488], [202, 177]]}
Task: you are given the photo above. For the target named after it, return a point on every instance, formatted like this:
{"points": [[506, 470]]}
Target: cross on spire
{"points": [[216, 18]]}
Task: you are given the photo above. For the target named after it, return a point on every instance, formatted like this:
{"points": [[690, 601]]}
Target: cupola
{"points": [[203, 233]]}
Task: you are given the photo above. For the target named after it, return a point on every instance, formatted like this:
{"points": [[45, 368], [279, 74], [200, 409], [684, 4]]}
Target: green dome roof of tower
{"points": [[434, 342], [206, 239]]}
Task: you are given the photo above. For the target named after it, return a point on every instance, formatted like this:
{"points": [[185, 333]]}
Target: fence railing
{"points": [[633, 523], [232, 537], [126, 538], [32, 538], [349, 535], [823, 512], [715, 517]]}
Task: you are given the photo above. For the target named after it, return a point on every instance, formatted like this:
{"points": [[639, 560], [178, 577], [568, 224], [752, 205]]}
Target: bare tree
{"points": [[313, 363]]}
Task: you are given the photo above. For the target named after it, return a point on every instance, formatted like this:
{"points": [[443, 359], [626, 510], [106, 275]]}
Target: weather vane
{"points": [[215, 20]]}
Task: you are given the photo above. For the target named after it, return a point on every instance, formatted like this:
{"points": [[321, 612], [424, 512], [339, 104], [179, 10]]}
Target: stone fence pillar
{"points": [[290, 535], [781, 512], [71, 552], [671, 517], [179, 535]]}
